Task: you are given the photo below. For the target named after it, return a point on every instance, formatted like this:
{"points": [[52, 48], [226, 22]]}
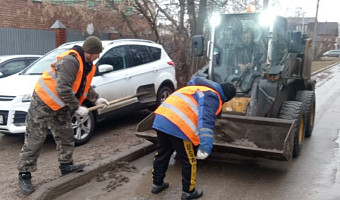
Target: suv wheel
{"points": [[162, 94], [83, 128]]}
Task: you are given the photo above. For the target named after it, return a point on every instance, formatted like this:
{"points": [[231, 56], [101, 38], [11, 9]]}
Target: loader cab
{"points": [[239, 52], [244, 48]]}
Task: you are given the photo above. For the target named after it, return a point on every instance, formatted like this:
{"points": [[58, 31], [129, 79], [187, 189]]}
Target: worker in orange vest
{"points": [[185, 123], [59, 92]]}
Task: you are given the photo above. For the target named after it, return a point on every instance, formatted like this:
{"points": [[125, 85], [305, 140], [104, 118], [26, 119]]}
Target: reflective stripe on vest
{"points": [[46, 85], [181, 108]]}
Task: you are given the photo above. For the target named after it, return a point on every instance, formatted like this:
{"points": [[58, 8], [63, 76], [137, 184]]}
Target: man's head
{"points": [[248, 36], [92, 48], [229, 90]]}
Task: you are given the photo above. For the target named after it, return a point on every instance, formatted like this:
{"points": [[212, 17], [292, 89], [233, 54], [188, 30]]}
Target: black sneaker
{"points": [[157, 189], [66, 168], [25, 183], [197, 193]]}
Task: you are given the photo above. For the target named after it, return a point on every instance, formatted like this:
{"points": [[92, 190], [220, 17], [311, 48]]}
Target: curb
{"points": [[59, 186], [323, 69]]}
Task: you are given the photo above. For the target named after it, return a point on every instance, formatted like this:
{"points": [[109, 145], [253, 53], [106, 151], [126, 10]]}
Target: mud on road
{"points": [[111, 136]]}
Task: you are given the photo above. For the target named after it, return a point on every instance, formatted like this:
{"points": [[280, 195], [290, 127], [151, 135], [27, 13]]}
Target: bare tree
{"points": [[178, 20]]}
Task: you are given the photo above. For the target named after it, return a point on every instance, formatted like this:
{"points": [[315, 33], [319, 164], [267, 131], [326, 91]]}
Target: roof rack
{"points": [[134, 40], [68, 43]]}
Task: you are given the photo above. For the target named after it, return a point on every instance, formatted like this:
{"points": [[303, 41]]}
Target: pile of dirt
{"points": [[229, 132], [118, 175]]}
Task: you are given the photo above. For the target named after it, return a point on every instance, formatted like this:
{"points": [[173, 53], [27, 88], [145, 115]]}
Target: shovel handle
{"points": [[93, 108]]}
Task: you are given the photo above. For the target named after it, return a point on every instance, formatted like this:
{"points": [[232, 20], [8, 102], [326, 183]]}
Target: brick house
{"points": [[28, 15], [327, 32]]}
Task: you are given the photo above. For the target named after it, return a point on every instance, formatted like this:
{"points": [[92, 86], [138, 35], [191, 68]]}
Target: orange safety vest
{"points": [[181, 108], [46, 85]]}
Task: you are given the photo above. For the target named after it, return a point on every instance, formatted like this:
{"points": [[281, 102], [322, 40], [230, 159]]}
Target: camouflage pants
{"points": [[40, 119]]}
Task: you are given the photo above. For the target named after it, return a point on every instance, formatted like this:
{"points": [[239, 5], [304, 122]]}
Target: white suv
{"points": [[125, 67]]}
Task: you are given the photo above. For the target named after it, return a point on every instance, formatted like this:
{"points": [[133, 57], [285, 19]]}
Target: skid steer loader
{"points": [[274, 107]]}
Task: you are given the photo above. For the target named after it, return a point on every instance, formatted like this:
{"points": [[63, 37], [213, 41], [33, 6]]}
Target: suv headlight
{"points": [[26, 98]]}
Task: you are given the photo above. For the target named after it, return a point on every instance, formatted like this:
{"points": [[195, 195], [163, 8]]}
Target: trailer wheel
{"points": [[308, 98], [295, 110]]}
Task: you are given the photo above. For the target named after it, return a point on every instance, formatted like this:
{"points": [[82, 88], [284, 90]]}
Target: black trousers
{"points": [[186, 152]]}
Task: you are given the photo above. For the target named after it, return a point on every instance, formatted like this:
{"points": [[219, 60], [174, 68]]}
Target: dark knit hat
{"points": [[93, 45], [229, 90]]}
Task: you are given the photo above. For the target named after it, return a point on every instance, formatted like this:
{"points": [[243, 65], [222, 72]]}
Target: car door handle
{"points": [[127, 76]]}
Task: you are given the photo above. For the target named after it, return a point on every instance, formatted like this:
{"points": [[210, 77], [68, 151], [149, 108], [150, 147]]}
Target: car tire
{"points": [[83, 128], [163, 93]]}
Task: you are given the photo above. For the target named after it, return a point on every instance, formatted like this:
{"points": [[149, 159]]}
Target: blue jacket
{"points": [[207, 106]]}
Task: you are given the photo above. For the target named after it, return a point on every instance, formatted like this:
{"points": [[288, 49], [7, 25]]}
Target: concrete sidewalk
{"points": [[67, 183]]}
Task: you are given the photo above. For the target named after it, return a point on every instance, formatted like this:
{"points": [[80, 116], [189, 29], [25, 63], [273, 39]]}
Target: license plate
{"points": [[1, 119]]}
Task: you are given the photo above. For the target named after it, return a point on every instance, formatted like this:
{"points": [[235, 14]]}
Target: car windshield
{"points": [[44, 63]]}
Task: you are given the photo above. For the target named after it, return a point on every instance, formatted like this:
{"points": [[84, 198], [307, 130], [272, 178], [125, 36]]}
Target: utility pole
{"points": [[265, 4], [315, 29]]}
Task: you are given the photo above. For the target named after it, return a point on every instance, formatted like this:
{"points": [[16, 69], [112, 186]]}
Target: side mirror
{"points": [[105, 68], [197, 45], [295, 42]]}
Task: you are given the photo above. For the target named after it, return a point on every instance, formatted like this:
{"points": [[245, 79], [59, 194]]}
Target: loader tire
{"points": [[295, 110], [308, 98]]}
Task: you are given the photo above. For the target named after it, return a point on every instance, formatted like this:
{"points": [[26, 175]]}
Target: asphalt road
{"points": [[312, 176]]}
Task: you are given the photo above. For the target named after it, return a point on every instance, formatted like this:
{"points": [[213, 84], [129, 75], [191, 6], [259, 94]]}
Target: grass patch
{"points": [[324, 62]]}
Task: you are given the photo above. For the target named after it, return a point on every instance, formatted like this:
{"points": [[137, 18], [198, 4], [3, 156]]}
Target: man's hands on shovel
{"points": [[102, 101], [82, 111]]}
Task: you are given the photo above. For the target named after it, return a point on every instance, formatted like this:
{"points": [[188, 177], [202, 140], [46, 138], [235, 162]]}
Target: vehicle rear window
{"points": [[140, 54], [155, 53]]}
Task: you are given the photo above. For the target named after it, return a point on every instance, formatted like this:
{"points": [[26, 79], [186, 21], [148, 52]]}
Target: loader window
{"points": [[239, 51], [279, 43]]}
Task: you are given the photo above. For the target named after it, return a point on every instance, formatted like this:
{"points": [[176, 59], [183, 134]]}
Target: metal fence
{"points": [[75, 35], [28, 41]]}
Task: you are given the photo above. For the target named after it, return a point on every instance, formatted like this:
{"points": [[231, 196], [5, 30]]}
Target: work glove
{"points": [[102, 101], [82, 111], [201, 155]]}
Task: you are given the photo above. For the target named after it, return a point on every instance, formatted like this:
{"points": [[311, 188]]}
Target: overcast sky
{"points": [[329, 10]]}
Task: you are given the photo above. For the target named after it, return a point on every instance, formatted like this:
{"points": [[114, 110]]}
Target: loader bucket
{"points": [[270, 138]]}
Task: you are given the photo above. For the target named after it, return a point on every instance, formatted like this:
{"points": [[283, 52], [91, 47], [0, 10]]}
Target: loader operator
{"points": [[184, 123], [247, 50], [59, 92]]}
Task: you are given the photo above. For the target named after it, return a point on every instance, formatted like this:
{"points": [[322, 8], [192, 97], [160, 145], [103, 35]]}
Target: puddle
{"points": [[330, 181], [326, 75]]}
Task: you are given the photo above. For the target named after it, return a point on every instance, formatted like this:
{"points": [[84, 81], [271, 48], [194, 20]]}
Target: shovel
{"points": [[93, 108]]}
